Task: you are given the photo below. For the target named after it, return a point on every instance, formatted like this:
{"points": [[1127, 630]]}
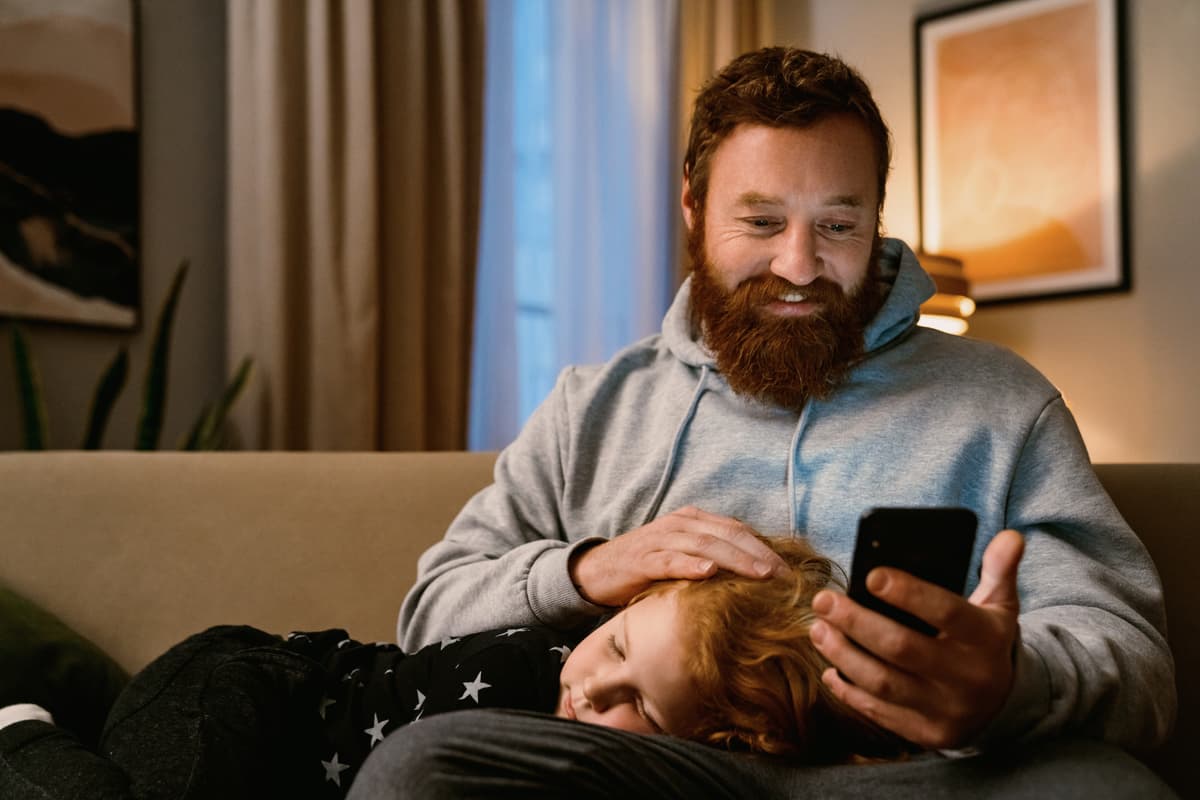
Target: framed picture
{"points": [[1021, 145], [69, 162]]}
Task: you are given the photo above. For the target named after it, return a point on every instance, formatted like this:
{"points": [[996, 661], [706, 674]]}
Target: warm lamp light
{"points": [[949, 308]]}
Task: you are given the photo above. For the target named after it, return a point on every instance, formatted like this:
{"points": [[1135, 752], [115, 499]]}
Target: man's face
{"points": [[784, 256]]}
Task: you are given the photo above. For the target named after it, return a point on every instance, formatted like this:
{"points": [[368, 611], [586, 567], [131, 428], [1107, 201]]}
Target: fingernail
{"points": [[822, 603], [817, 632], [762, 569], [876, 581], [706, 566]]}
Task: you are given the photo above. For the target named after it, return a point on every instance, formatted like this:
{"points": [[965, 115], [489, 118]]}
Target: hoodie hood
{"points": [[906, 286]]}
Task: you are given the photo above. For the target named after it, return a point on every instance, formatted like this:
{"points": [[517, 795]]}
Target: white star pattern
{"points": [[420, 700], [449, 640], [376, 731], [334, 770], [326, 702], [510, 632], [472, 688], [563, 652]]}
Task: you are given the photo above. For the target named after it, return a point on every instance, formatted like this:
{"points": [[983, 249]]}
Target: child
{"points": [[235, 712]]}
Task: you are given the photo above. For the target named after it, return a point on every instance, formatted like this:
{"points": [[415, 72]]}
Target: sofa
{"points": [[136, 550]]}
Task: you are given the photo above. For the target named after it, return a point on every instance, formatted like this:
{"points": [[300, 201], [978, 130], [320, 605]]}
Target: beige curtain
{"points": [[354, 159], [711, 34]]}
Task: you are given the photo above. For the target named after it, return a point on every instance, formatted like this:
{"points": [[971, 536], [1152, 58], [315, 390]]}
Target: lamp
{"points": [[949, 308]]}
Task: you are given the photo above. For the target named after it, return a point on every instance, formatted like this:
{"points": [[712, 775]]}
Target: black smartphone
{"points": [[932, 543]]}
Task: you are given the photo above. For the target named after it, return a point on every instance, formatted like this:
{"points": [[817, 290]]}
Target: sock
{"points": [[20, 712]]}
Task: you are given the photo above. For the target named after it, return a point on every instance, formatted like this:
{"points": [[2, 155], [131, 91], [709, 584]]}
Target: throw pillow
{"points": [[45, 662]]}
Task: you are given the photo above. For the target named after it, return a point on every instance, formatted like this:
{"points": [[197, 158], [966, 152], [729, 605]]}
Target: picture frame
{"points": [[1022, 170], [70, 162]]}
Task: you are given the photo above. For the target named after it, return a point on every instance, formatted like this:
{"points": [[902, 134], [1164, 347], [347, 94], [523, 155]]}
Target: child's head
{"points": [[756, 673], [726, 661]]}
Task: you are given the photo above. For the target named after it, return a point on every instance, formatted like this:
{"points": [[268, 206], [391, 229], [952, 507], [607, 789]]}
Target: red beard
{"points": [[781, 360]]}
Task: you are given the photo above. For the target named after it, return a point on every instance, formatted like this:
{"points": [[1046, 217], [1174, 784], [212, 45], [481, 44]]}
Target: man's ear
{"points": [[688, 203]]}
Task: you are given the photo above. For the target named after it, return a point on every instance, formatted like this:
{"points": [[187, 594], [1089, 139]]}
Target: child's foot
{"points": [[20, 712]]}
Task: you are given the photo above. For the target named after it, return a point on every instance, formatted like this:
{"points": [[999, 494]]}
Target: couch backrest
{"points": [[137, 550], [1161, 502]]}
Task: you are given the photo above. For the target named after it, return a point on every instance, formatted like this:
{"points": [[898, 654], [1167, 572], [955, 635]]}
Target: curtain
{"points": [[354, 158], [613, 208]]}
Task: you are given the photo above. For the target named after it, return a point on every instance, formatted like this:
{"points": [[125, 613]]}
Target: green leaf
{"points": [[112, 381], [154, 392], [29, 393], [208, 431]]}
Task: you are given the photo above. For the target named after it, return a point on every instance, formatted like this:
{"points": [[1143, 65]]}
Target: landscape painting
{"points": [[69, 162]]}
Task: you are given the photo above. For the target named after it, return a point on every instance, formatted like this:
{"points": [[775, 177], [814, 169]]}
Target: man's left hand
{"points": [[937, 692]]}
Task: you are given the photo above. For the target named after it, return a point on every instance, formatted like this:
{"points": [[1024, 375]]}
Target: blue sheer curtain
{"points": [[577, 233]]}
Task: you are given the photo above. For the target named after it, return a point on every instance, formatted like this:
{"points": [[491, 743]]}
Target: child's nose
{"points": [[602, 691]]}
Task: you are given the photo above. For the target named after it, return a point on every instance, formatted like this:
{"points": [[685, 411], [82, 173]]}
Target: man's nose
{"points": [[797, 260]]}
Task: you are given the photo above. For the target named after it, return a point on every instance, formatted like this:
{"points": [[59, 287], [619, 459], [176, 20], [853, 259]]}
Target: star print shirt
{"points": [[373, 690]]}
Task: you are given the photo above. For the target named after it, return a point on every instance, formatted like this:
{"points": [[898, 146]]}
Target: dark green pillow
{"points": [[43, 661]]}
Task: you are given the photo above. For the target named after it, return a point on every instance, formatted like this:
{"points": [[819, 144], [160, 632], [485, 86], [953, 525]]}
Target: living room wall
{"points": [[182, 119], [1126, 363]]}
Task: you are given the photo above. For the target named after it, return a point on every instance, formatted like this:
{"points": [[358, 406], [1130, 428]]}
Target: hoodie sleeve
{"points": [[1093, 655], [503, 561]]}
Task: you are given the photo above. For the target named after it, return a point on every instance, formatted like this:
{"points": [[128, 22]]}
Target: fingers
{"points": [[688, 544], [731, 544], [998, 578]]}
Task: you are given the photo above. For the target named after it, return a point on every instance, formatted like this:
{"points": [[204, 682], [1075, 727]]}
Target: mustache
{"points": [[763, 289]]}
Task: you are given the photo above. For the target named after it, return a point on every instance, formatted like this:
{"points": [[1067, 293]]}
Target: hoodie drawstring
{"points": [[660, 491]]}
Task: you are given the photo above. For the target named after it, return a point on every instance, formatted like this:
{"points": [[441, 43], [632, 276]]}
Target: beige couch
{"points": [[137, 550]]}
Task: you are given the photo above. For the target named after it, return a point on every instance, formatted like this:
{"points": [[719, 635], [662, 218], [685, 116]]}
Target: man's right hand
{"points": [[687, 544]]}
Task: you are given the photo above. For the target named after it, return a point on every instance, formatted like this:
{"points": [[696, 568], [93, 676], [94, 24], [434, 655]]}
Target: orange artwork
{"points": [[1020, 156]]}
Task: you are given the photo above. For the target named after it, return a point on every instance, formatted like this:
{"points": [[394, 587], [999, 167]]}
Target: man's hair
{"points": [[781, 87], [757, 674]]}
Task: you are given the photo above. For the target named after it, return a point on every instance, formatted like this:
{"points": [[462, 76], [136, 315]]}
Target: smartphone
{"points": [[932, 543]]}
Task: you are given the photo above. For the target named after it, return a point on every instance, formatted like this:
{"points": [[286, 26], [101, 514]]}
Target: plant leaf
{"points": [[154, 392], [112, 381], [208, 431], [29, 392]]}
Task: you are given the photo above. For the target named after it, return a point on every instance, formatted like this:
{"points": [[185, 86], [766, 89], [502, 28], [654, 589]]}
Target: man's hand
{"points": [[689, 543], [936, 692]]}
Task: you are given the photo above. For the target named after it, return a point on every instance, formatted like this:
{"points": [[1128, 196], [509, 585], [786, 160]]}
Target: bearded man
{"points": [[789, 391]]}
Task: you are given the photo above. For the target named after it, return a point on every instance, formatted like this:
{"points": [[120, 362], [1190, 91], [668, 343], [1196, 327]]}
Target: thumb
{"points": [[998, 580]]}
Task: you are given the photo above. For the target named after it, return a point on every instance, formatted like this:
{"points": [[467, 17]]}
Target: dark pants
{"points": [[512, 754], [215, 717]]}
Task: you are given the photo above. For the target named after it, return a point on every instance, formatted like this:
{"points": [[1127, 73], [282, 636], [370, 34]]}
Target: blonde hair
{"points": [[757, 674]]}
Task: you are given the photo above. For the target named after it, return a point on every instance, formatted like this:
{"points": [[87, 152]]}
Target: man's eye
{"points": [[837, 227], [761, 223]]}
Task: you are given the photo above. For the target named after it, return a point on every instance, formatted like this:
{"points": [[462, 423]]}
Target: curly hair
{"points": [[756, 672], [779, 87]]}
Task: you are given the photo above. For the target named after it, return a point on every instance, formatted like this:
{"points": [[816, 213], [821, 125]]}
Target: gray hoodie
{"points": [[925, 419]]}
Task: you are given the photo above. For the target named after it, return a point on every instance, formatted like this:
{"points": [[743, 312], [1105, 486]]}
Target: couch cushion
{"points": [[43, 661]]}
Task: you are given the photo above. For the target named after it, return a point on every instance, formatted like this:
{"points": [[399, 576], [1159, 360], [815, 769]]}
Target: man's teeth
{"points": [[793, 297]]}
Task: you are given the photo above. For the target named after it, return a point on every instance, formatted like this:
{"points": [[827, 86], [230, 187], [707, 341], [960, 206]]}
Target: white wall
{"points": [[183, 216], [1127, 363]]}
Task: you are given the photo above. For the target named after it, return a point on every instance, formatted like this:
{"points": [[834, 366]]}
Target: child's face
{"points": [[630, 673]]}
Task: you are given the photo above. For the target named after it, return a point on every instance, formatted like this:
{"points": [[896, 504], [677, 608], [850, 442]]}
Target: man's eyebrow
{"points": [[751, 199], [758, 199]]}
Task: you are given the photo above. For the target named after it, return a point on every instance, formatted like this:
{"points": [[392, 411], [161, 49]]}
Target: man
{"points": [[788, 392]]}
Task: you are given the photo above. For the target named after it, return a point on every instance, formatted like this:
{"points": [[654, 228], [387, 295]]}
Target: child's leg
{"points": [[39, 760], [214, 717], [217, 716]]}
